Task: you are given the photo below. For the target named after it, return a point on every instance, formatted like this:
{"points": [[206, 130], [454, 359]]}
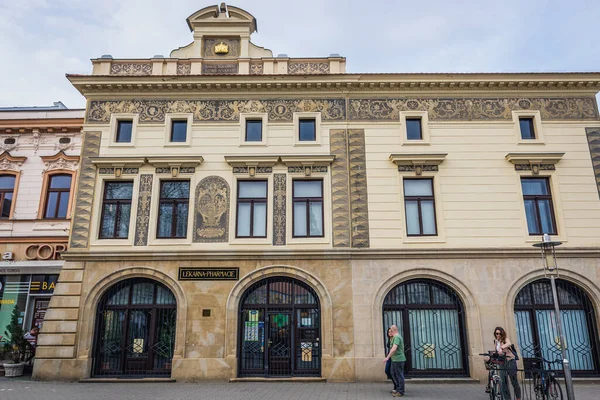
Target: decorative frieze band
{"points": [[258, 170], [311, 68], [301, 169], [111, 171], [418, 168], [130, 68], [472, 108], [457, 109], [535, 167], [182, 170], [152, 111], [184, 69]]}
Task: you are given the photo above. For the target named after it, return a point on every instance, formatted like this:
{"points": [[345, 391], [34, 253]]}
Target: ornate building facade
{"points": [[244, 216], [39, 159]]}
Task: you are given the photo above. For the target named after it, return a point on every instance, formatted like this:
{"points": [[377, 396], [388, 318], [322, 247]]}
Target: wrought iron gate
{"points": [[430, 318], [135, 330], [279, 329], [536, 327]]}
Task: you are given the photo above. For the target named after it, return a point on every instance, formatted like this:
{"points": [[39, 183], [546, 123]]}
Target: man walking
{"points": [[398, 358]]}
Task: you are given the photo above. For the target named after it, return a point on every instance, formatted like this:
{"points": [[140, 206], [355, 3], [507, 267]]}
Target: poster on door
{"points": [[40, 306]]}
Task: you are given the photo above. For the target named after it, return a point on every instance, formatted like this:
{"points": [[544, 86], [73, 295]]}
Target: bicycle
{"points": [[494, 387], [545, 383]]}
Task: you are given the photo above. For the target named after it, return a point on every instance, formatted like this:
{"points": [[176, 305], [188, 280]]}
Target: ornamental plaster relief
{"points": [[125, 68], [449, 109]]}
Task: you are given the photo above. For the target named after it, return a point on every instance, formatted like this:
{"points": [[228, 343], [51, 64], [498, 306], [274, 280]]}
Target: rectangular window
{"points": [[538, 206], [307, 128], [173, 209], [116, 210], [413, 129], [308, 208], [252, 209], [253, 130], [124, 129], [178, 131], [57, 198], [7, 188], [526, 125], [419, 203]]}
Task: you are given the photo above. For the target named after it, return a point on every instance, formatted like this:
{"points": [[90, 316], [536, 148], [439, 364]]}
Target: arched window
{"points": [[279, 329], [430, 317], [7, 189], [536, 325], [135, 329], [57, 196]]}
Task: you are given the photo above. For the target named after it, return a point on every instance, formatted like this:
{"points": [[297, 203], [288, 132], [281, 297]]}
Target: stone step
{"points": [[128, 380], [288, 379]]}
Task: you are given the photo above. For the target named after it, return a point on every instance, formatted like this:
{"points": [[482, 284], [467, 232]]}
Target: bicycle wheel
{"points": [[496, 393], [554, 391]]}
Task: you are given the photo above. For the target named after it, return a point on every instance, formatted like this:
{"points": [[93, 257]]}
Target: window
{"points": [[179, 131], [253, 130], [538, 206], [173, 209], [526, 126], [124, 129], [7, 187], [420, 207], [116, 210], [252, 209], [413, 129], [307, 129], [308, 208], [57, 198]]}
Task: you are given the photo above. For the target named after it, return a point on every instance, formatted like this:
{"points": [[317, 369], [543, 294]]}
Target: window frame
{"points": [[300, 124], [264, 118], [251, 121], [119, 125], [420, 120], [298, 116], [308, 201], [3, 192], [174, 202], [168, 134], [114, 129], [531, 123], [419, 199], [538, 130], [252, 201], [536, 199], [118, 212], [408, 115], [49, 190]]}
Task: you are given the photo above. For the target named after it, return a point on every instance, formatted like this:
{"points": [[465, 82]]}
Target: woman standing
{"points": [[503, 347], [388, 364]]}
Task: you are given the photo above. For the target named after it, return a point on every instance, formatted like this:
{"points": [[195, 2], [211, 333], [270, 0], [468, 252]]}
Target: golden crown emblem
{"points": [[221, 48]]}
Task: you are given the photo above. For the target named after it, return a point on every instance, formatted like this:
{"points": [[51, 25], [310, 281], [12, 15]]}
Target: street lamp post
{"points": [[551, 270]]}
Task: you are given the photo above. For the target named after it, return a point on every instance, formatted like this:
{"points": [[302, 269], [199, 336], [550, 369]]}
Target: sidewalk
{"points": [[11, 389]]}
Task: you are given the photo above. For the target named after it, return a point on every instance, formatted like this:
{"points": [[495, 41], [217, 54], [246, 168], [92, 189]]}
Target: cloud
{"points": [[42, 40]]}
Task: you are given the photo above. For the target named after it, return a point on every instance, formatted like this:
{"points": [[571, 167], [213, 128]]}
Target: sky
{"points": [[42, 40]]}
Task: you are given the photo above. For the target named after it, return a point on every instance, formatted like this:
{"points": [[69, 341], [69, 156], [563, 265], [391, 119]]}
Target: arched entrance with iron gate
{"points": [[135, 330], [279, 329], [536, 327], [430, 317]]}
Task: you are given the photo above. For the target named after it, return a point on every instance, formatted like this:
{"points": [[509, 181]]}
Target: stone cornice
{"points": [[165, 161], [534, 158], [128, 162], [418, 158], [345, 254], [252, 161], [367, 83], [307, 159]]}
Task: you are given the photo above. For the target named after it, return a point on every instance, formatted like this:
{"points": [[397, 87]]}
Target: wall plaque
{"points": [[219, 69], [209, 274]]}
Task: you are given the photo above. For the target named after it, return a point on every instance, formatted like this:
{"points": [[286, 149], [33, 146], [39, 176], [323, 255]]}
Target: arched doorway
{"points": [[135, 330], [536, 327], [279, 329], [430, 317]]}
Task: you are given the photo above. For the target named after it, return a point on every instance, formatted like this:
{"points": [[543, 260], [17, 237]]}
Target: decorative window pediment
{"points": [[534, 162], [175, 165], [418, 162], [252, 165], [10, 163], [308, 163], [118, 165], [60, 161]]}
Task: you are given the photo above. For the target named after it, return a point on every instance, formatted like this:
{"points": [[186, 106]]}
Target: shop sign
{"points": [[43, 284], [209, 274], [45, 251]]}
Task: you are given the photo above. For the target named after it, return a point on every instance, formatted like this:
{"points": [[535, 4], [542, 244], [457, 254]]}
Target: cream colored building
{"points": [[39, 159], [244, 216]]}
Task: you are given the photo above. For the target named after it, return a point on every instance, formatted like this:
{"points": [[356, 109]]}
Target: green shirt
{"points": [[398, 356]]}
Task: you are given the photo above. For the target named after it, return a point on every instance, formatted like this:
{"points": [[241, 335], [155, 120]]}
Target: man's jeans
{"points": [[398, 376]]}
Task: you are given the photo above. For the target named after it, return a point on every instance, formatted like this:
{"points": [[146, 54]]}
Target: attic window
{"points": [[64, 140], [10, 141]]}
